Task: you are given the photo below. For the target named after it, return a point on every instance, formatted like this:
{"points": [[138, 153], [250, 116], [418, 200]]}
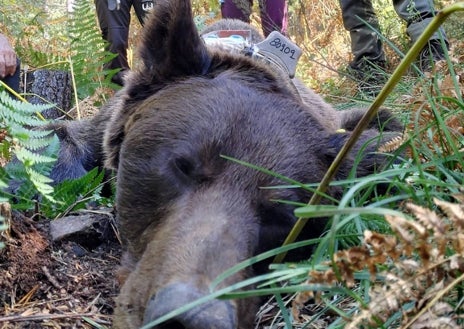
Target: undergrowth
{"points": [[33, 149], [411, 278], [407, 272], [56, 38], [87, 51], [72, 195]]}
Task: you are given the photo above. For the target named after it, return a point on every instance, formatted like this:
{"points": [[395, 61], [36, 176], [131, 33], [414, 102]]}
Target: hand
{"points": [[7, 58]]}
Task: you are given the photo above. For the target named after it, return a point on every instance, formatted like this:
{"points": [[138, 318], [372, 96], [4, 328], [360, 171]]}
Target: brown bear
{"points": [[186, 213]]}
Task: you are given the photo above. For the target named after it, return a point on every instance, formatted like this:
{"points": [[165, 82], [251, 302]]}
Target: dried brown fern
{"points": [[423, 127], [422, 265]]}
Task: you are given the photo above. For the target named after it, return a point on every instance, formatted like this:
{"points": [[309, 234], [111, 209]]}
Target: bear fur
{"points": [[186, 213]]}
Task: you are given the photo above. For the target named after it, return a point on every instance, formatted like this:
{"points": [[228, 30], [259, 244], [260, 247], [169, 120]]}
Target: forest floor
{"points": [[44, 284]]}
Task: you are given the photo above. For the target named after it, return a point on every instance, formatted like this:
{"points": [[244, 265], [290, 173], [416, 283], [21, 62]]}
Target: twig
{"points": [[29, 295], [50, 278], [39, 317]]}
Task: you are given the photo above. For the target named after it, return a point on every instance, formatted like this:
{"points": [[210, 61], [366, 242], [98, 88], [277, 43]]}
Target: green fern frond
{"points": [[3, 179], [30, 158], [33, 140], [88, 52], [15, 112], [72, 195], [26, 137], [36, 144], [33, 150], [41, 183], [18, 117], [41, 158], [3, 226]]}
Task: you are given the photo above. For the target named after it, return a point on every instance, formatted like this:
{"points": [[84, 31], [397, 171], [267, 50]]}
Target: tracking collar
{"points": [[276, 49]]}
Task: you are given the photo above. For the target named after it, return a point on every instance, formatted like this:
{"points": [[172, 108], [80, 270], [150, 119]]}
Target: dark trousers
{"points": [[365, 42], [12, 81], [273, 13], [114, 25]]}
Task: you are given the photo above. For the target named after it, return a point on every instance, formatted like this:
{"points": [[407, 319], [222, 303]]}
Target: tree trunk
{"points": [[49, 86]]}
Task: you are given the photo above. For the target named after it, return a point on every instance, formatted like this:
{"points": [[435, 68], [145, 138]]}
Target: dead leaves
{"points": [[436, 116], [414, 272]]}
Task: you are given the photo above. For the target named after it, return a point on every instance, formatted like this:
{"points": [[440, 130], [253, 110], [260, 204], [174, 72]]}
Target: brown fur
{"points": [[186, 214], [325, 113]]}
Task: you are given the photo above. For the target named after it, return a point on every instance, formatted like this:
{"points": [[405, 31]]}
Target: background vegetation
{"points": [[392, 261]]}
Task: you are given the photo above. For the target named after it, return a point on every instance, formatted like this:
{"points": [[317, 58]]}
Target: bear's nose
{"points": [[214, 314]]}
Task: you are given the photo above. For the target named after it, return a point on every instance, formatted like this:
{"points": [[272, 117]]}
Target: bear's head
{"points": [[186, 211]]}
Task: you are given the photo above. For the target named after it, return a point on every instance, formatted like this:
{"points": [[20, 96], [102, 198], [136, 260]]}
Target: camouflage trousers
{"points": [[365, 41]]}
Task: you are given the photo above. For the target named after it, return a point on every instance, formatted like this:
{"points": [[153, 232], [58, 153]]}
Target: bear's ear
{"points": [[171, 46]]}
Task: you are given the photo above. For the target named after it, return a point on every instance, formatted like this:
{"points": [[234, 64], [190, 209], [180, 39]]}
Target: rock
{"points": [[88, 229]]}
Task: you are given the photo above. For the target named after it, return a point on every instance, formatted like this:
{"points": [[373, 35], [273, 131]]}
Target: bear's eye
{"points": [[276, 215], [185, 166]]}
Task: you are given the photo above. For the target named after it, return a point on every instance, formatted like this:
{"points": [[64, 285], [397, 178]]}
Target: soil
{"points": [[44, 284], [54, 285]]}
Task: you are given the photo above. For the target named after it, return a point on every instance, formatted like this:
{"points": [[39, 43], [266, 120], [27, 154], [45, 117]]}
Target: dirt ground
{"points": [[61, 285]]}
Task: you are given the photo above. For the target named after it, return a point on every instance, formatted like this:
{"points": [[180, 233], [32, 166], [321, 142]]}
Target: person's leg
{"points": [[273, 16], [369, 60], [238, 9], [142, 8], [418, 15], [365, 41], [114, 25], [12, 81]]}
